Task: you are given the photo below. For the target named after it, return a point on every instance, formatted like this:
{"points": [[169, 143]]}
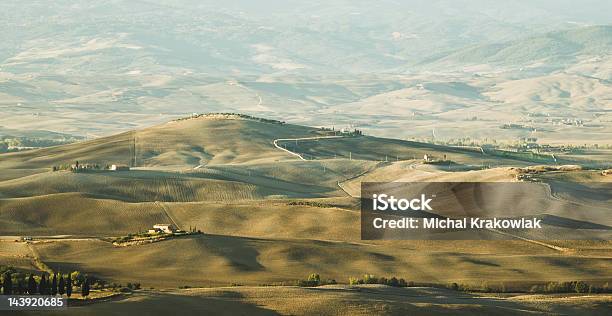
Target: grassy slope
{"points": [[211, 141], [213, 260], [335, 300], [253, 241], [187, 143], [76, 214], [387, 149]]}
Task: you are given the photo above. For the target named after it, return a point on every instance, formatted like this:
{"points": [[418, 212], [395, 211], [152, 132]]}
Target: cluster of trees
{"points": [[56, 284], [569, 287], [551, 287], [10, 144], [230, 114], [371, 279], [314, 279], [354, 132], [311, 203], [159, 235], [80, 167]]}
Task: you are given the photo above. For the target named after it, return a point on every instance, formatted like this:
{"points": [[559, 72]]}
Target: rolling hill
{"points": [[273, 211], [550, 50]]}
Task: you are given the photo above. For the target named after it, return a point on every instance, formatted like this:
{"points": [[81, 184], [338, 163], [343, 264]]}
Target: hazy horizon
{"points": [[89, 69]]}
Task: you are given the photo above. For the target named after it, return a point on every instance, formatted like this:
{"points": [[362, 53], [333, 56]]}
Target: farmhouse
{"points": [[119, 168], [429, 158], [162, 228]]}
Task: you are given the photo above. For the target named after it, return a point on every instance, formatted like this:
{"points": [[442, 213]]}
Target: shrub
{"points": [[77, 277], [369, 279], [402, 283], [393, 282], [484, 286], [581, 287], [314, 279], [353, 281]]}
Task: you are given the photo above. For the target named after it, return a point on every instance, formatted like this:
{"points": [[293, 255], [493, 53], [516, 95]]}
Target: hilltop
{"points": [[209, 139], [216, 139]]}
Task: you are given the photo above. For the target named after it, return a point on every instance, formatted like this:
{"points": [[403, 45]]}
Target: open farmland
{"points": [[269, 216], [215, 260]]}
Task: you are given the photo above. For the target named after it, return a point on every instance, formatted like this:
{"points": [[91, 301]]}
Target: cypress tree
{"points": [[61, 285], [20, 289], [31, 285], [7, 285], [54, 285], [85, 287], [42, 286], [69, 286]]}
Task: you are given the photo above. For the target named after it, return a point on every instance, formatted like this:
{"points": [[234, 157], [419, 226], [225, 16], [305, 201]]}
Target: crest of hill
{"points": [[201, 139], [555, 48], [222, 139]]}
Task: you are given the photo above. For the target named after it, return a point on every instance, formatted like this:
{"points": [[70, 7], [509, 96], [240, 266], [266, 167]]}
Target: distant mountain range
{"points": [[554, 49], [96, 68], [311, 37]]}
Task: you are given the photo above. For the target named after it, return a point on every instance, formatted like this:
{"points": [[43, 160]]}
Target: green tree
{"points": [[383, 280], [314, 279], [20, 283], [54, 285], [7, 284], [369, 279], [42, 285], [61, 285], [31, 285], [69, 286], [77, 278], [394, 282], [581, 287], [85, 288], [402, 283]]}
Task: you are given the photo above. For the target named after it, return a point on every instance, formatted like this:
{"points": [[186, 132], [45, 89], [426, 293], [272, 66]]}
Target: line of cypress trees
{"points": [[51, 285], [48, 285]]}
